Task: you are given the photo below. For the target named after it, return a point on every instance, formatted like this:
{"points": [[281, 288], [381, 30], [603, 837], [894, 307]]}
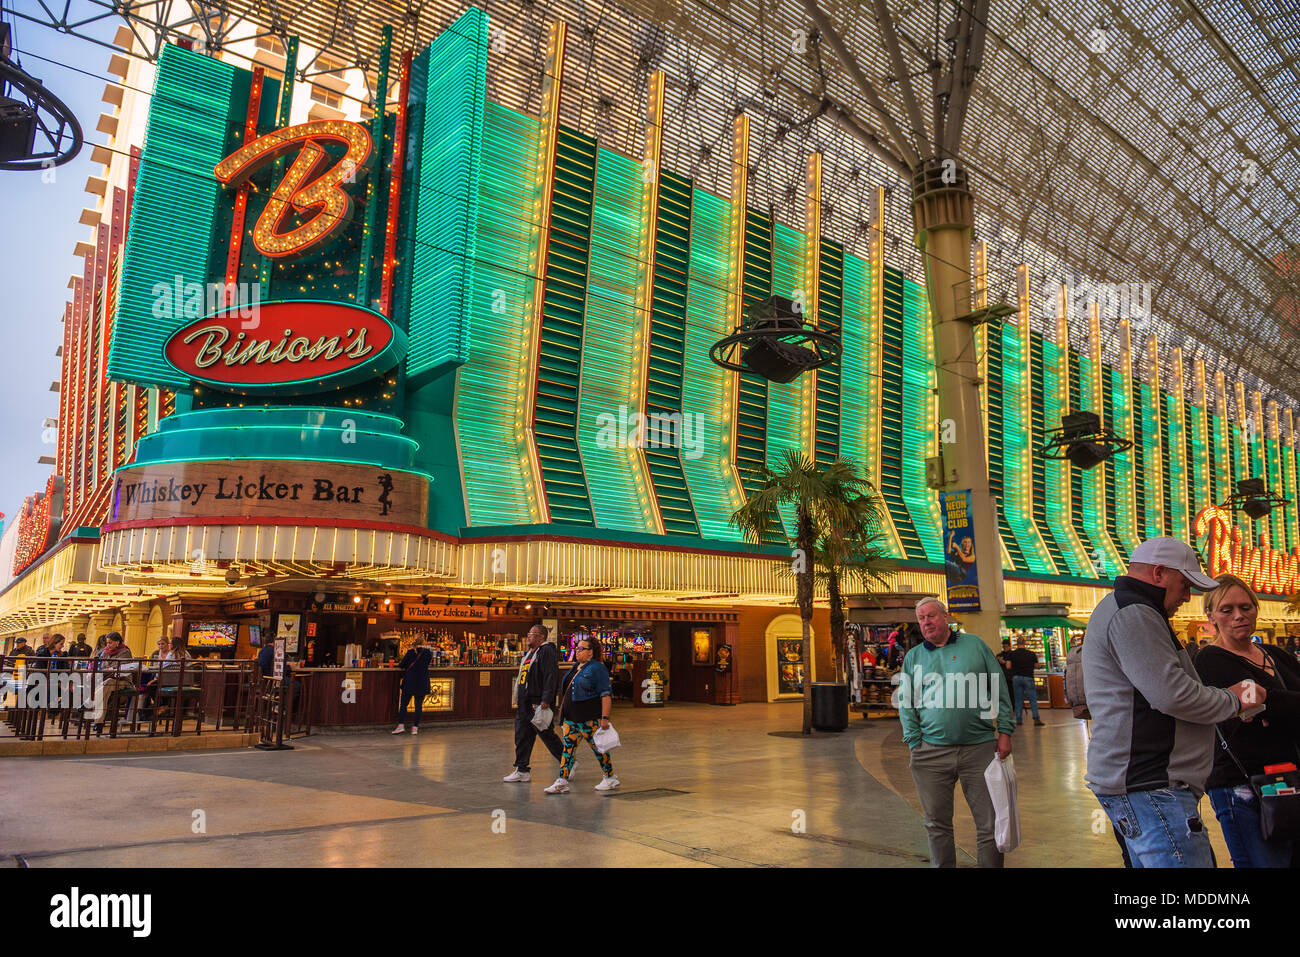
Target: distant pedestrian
{"points": [[1023, 662], [535, 686], [415, 683], [951, 737], [584, 708], [21, 647], [80, 649]]}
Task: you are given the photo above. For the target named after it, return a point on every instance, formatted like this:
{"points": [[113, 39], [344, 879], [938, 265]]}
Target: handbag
{"points": [[1279, 814], [606, 739], [542, 717], [1000, 778]]}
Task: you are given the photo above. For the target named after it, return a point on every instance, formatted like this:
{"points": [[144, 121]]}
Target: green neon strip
{"points": [[830, 318], [1056, 497], [1084, 511], [665, 372], [704, 384], [451, 159], [1037, 438], [857, 415], [1161, 400], [751, 388], [1276, 531], [375, 179], [996, 426], [1151, 455], [891, 415], [492, 453], [785, 425], [1176, 459], [1288, 458], [555, 421], [919, 426], [1139, 453], [1197, 470], [1018, 489], [605, 423], [193, 111], [1121, 475]]}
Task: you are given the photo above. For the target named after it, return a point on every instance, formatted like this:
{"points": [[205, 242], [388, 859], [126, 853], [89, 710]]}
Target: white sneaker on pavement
{"points": [[517, 775], [560, 786], [609, 782], [415, 730], [400, 729]]}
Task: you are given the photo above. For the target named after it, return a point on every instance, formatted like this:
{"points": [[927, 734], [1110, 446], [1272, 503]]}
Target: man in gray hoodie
{"points": [[1153, 720]]}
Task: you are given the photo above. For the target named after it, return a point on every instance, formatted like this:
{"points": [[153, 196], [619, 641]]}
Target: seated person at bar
{"points": [[116, 663]]}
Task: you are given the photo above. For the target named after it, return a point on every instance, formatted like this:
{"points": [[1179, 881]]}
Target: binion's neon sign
{"points": [[1264, 568]]}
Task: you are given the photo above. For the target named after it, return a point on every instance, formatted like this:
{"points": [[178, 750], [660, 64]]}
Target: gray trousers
{"points": [[936, 769]]}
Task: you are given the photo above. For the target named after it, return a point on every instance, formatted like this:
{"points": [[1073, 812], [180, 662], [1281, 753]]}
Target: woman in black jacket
{"points": [[415, 683], [1245, 747]]}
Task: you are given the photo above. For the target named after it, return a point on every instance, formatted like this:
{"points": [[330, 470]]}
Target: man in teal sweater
{"points": [[954, 706]]}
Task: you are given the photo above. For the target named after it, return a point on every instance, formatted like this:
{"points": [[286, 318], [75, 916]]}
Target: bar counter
{"points": [[344, 697]]}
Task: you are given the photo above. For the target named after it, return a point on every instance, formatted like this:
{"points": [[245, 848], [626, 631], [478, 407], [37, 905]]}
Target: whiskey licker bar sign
{"points": [[270, 489], [286, 347]]}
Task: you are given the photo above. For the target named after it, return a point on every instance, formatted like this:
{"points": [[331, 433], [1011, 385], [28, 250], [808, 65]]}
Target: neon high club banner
{"points": [[960, 562]]}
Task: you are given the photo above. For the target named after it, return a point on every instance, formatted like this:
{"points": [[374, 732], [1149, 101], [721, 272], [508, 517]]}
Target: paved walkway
{"points": [[701, 786]]}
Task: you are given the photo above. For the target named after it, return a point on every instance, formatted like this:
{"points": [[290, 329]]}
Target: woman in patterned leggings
{"points": [[584, 707]]}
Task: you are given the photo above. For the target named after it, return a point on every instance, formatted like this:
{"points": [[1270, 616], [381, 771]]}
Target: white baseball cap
{"points": [[1177, 555]]}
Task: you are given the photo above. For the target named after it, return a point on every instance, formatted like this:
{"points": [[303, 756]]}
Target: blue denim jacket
{"points": [[591, 682]]}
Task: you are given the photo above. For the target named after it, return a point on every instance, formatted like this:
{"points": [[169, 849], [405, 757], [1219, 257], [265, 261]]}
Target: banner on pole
{"points": [[960, 561]]}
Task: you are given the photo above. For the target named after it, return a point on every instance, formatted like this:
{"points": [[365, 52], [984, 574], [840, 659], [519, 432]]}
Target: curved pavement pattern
{"points": [[702, 786]]}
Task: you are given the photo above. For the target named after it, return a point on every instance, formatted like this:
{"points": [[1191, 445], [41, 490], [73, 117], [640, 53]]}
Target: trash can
{"points": [[830, 706]]}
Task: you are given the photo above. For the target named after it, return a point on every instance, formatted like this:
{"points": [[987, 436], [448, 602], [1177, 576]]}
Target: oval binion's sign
{"points": [[287, 347]]}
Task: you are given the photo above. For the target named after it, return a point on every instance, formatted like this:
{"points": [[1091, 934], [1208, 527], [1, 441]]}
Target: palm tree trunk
{"points": [[806, 540]]}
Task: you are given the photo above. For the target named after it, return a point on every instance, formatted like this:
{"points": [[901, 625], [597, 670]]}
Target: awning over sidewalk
{"points": [[1042, 621]]}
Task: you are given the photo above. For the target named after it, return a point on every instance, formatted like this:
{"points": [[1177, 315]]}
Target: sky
{"points": [[40, 228]]}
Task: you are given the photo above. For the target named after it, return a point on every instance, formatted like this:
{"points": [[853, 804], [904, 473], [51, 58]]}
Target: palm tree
{"points": [[820, 497]]}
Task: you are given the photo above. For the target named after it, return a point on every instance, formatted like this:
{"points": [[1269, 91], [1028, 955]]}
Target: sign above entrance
{"points": [[442, 612], [253, 488], [1264, 568], [287, 347], [314, 181]]}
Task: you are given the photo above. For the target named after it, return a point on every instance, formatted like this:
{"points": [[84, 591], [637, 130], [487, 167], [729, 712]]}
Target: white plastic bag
{"points": [[542, 718], [1000, 776], [605, 739]]}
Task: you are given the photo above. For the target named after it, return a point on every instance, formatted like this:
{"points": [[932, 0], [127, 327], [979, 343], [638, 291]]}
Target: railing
{"points": [[83, 697]]}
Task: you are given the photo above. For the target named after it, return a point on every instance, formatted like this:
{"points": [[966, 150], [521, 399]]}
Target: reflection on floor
{"points": [[701, 786]]}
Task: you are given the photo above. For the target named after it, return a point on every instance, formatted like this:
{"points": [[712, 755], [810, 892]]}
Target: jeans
{"points": [[403, 700], [1238, 815], [1162, 828], [1022, 688], [936, 769], [526, 734]]}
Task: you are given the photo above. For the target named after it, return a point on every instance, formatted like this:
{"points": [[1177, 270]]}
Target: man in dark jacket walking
{"points": [[536, 685]]}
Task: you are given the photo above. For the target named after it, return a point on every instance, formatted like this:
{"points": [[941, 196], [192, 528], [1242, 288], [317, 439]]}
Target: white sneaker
{"points": [[400, 729], [560, 786], [609, 783], [415, 730], [518, 775]]}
